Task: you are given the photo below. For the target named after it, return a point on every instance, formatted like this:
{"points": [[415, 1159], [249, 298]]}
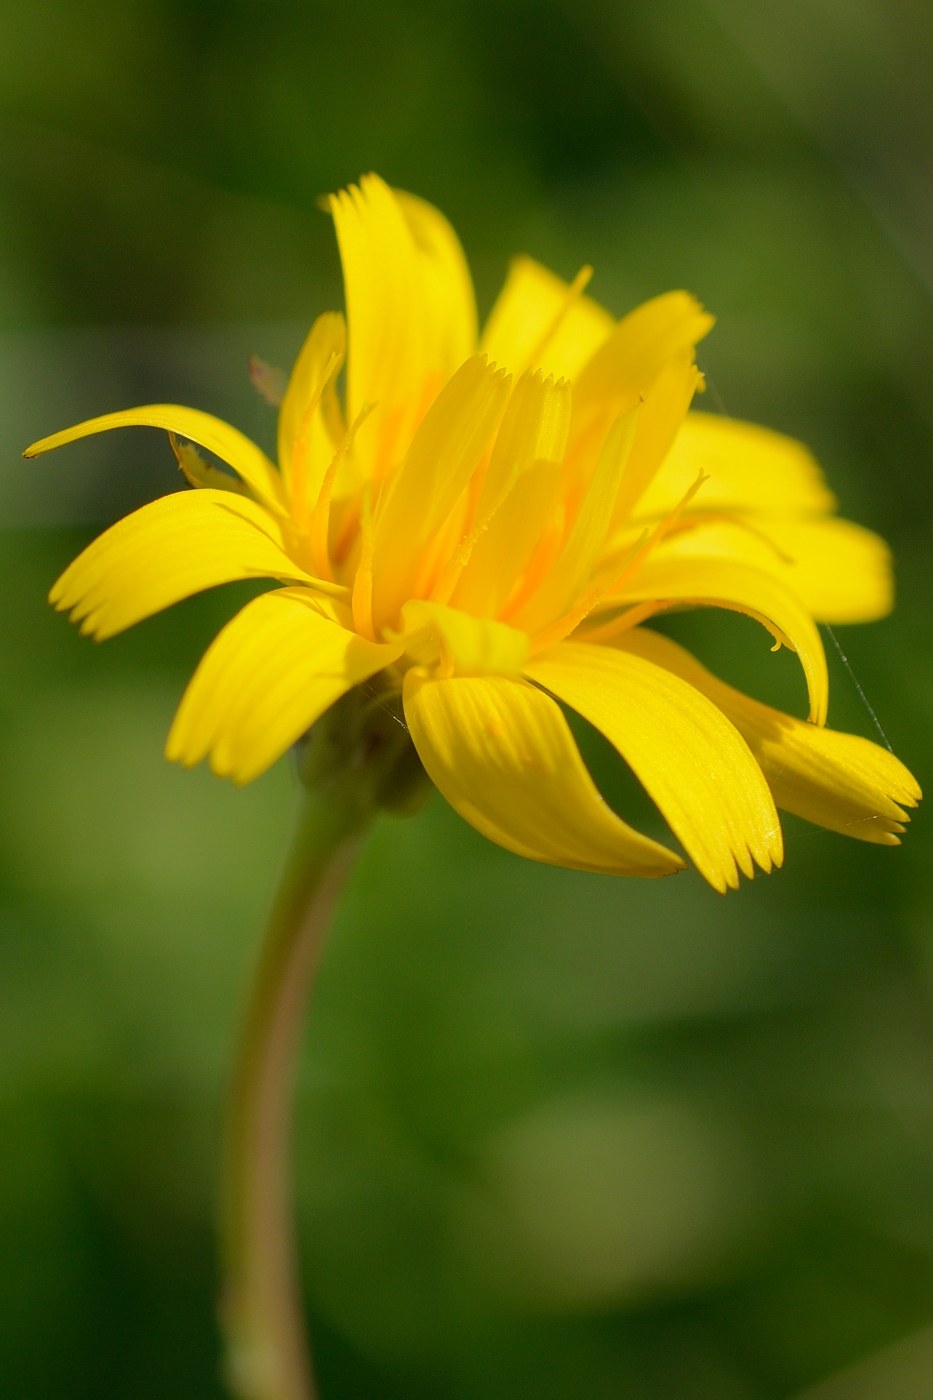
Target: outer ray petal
{"points": [[264, 680], [840, 571], [724, 584], [839, 781], [502, 754], [690, 758], [231, 446], [749, 469], [403, 284], [168, 550], [526, 308]]}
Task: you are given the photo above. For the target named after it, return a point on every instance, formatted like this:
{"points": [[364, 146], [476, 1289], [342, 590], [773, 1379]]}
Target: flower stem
{"points": [[267, 1355]]}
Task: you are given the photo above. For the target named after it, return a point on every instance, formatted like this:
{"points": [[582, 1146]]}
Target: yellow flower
{"points": [[481, 527]]}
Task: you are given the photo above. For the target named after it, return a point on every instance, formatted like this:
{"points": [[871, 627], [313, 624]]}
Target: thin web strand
{"points": [[858, 689]]}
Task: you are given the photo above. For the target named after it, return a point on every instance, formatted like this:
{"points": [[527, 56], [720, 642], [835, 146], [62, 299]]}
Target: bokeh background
{"points": [[558, 1135]]}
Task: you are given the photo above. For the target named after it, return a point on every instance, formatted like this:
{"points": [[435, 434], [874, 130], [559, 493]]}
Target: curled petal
{"points": [[721, 583], [687, 754], [839, 570], [840, 781], [502, 754], [231, 446]]}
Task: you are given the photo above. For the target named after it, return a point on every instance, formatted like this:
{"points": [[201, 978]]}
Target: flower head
{"points": [[482, 528]]}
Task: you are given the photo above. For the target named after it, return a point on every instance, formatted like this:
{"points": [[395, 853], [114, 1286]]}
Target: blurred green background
{"points": [[558, 1135]]}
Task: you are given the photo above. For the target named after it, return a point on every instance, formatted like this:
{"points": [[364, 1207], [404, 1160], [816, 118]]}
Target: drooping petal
{"points": [[840, 781], [528, 306], [517, 492], [402, 280], [691, 759], [502, 754], [325, 346], [750, 469], [168, 550], [446, 450], [840, 571], [724, 584], [272, 671], [231, 446]]}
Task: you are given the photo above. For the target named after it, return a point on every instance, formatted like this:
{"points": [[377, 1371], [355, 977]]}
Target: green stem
{"points": [[266, 1350]]}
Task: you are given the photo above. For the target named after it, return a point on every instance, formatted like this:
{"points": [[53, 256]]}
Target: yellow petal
{"points": [[527, 306], [402, 279], [502, 754], [450, 305], [840, 571], [690, 758], [517, 492], [246, 459], [326, 340], [721, 583], [444, 454], [749, 468], [628, 363], [839, 781], [264, 680], [168, 550], [573, 568], [461, 645]]}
